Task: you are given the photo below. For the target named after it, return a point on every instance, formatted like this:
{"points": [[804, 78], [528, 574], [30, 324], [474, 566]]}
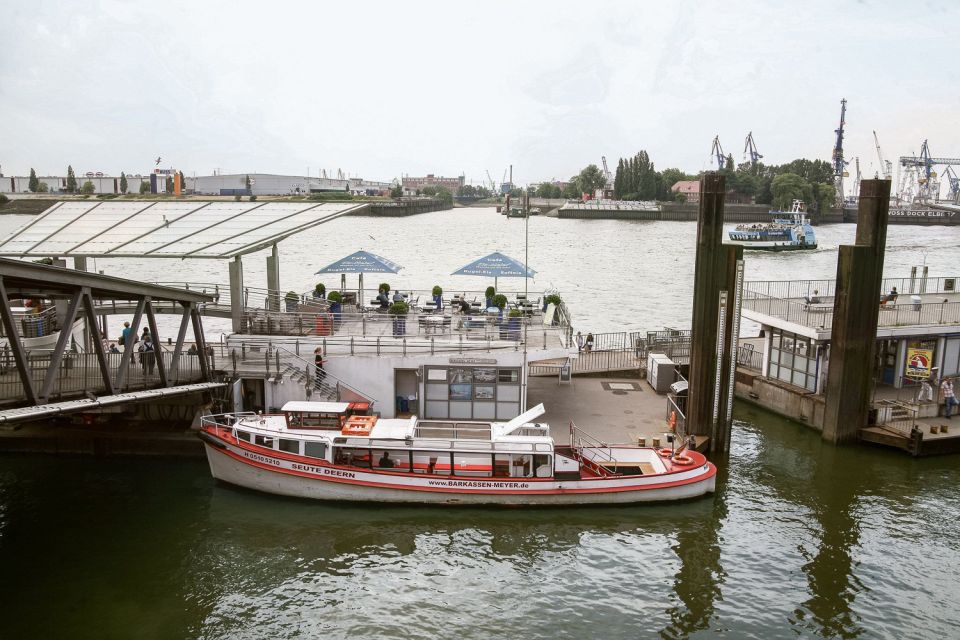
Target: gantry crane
{"points": [[954, 182], [839, 164], [717, 152], [886, 167], [856, 181], [919, 173], [493, 185], [750, 150]]}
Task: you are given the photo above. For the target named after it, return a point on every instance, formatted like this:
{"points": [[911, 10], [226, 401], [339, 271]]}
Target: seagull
{"points": [[158, 161]]}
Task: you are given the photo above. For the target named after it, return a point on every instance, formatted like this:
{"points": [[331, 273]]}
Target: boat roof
{"points": [[507, 428], [315, 407], [392, 428]]}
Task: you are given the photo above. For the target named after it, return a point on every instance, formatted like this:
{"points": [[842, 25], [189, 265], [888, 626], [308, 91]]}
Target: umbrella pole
{"points": [[360, 293]]}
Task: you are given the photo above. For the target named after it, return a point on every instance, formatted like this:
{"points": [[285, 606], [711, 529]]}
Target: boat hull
{"points": [[262, 472], [774, 246]]}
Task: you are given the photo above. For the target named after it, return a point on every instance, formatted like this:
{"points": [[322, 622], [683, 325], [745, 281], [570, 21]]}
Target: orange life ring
{"points": [[673, 421], [682, 460], [666, 453]]}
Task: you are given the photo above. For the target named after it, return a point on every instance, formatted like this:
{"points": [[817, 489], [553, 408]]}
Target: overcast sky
{"points": [[381, 89]]}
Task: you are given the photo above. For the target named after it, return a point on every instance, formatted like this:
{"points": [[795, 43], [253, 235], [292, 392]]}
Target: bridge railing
{"points": [[79, 373]]}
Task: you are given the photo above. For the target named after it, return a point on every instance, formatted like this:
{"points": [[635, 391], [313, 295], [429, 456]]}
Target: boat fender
{"points": [[673, 421], [209, 439], [666, 453], [683, 460]]}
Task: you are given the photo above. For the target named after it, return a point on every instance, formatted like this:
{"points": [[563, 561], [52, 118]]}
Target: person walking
{"points": [[318, 362], [125, 336], [949, 398], [147, 356]]}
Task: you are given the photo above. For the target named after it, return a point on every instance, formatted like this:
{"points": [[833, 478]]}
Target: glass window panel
{"points": [[786, 360], [509, 375], [507, 392], [437, 391], [315, 449], [784, 375], [290, 446], [799, 378]]}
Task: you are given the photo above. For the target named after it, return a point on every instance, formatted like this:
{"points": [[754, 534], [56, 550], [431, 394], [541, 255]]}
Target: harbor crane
{"points": [[954, 182], [886, 167], [606, 174], [717, 152], [919, 174], [493, 185], [750, 150], [839, 164]]}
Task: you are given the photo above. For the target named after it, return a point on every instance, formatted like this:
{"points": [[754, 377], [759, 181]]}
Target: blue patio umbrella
{"points": [[360, 262], [497, 265]]}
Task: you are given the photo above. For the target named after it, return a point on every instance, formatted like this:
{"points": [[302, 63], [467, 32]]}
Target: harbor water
{"points": [[802, 539]]}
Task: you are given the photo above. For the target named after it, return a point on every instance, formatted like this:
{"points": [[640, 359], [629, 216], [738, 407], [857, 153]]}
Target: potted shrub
{"points": [[385, 287], [292, 299], [488, 295], [550, 299], [437, 297], [399, 312], [513, 324], [336, 300], [319, 291]]}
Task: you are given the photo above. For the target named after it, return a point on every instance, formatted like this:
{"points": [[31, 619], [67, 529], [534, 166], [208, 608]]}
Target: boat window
{"points": [[542, 466], [243, 435], [263, 441], [471, 465], [329, 420], [432, 462], [521, 466], [353, 457], [501, 465], [290, 446], [315, 449], [391, 460]]}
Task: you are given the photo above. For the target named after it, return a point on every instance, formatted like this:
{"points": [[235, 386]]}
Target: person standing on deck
{"points": [[589, 346], [125, 336], [579, 342], [949, 398]]}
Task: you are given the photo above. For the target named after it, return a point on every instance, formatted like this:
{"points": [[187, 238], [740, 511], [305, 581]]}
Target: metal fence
{"points": [[79, 373], [799, 289]]}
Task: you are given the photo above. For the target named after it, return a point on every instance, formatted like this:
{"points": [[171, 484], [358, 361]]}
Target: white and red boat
{"points": [[331, 451]]}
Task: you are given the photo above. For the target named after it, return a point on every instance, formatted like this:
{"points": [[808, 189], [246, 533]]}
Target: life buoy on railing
{"points": [[673, 420], [683, 460], [666, 453]]}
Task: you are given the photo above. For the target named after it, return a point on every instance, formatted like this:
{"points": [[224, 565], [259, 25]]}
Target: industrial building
{"points": [[430, 180]]}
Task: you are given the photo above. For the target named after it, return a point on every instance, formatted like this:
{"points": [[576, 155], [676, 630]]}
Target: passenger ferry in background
{"points": [[336, 451], [789, 231]]}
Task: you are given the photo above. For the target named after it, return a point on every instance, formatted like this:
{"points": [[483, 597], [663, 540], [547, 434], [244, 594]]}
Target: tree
{"points": [[396, 191], [87, 188], [71, 180], [144, 186], [592, 178], [788, 187], [824, 195], [34, 184], [123, 182], [183, 183], [247, 183], [168, 184], [429, 191], [443, 194], [573, 190]]}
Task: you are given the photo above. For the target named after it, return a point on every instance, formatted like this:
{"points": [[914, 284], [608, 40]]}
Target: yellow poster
{"points": [[919, 362]]}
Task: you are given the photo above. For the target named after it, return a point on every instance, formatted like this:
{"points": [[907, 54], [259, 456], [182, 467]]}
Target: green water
{"points": [[801, 540]]}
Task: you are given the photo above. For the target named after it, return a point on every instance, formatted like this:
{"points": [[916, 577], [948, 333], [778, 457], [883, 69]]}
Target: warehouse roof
{"points": [[166, 228]]}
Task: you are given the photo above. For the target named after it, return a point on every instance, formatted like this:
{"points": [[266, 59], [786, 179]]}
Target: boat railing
{"points": [[600, 456], [224, 421]]}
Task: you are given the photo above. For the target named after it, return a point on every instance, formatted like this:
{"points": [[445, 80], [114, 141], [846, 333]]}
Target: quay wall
{"points": [[789, 402], [402, 208]]}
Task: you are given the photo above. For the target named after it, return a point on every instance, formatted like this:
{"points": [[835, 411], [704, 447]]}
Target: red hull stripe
{"points": [[621, 489]]}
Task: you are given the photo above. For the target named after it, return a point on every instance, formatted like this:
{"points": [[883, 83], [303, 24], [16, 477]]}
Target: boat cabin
{"points": [[471, 449]]}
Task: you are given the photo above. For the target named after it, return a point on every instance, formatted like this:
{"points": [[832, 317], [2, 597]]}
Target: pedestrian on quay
{"points": [[588, 347], [318, 362], [949, 398], [579, 342]]}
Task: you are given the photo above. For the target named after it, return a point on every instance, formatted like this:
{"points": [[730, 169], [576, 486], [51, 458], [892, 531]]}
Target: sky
{"points": [[384, 89]]}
